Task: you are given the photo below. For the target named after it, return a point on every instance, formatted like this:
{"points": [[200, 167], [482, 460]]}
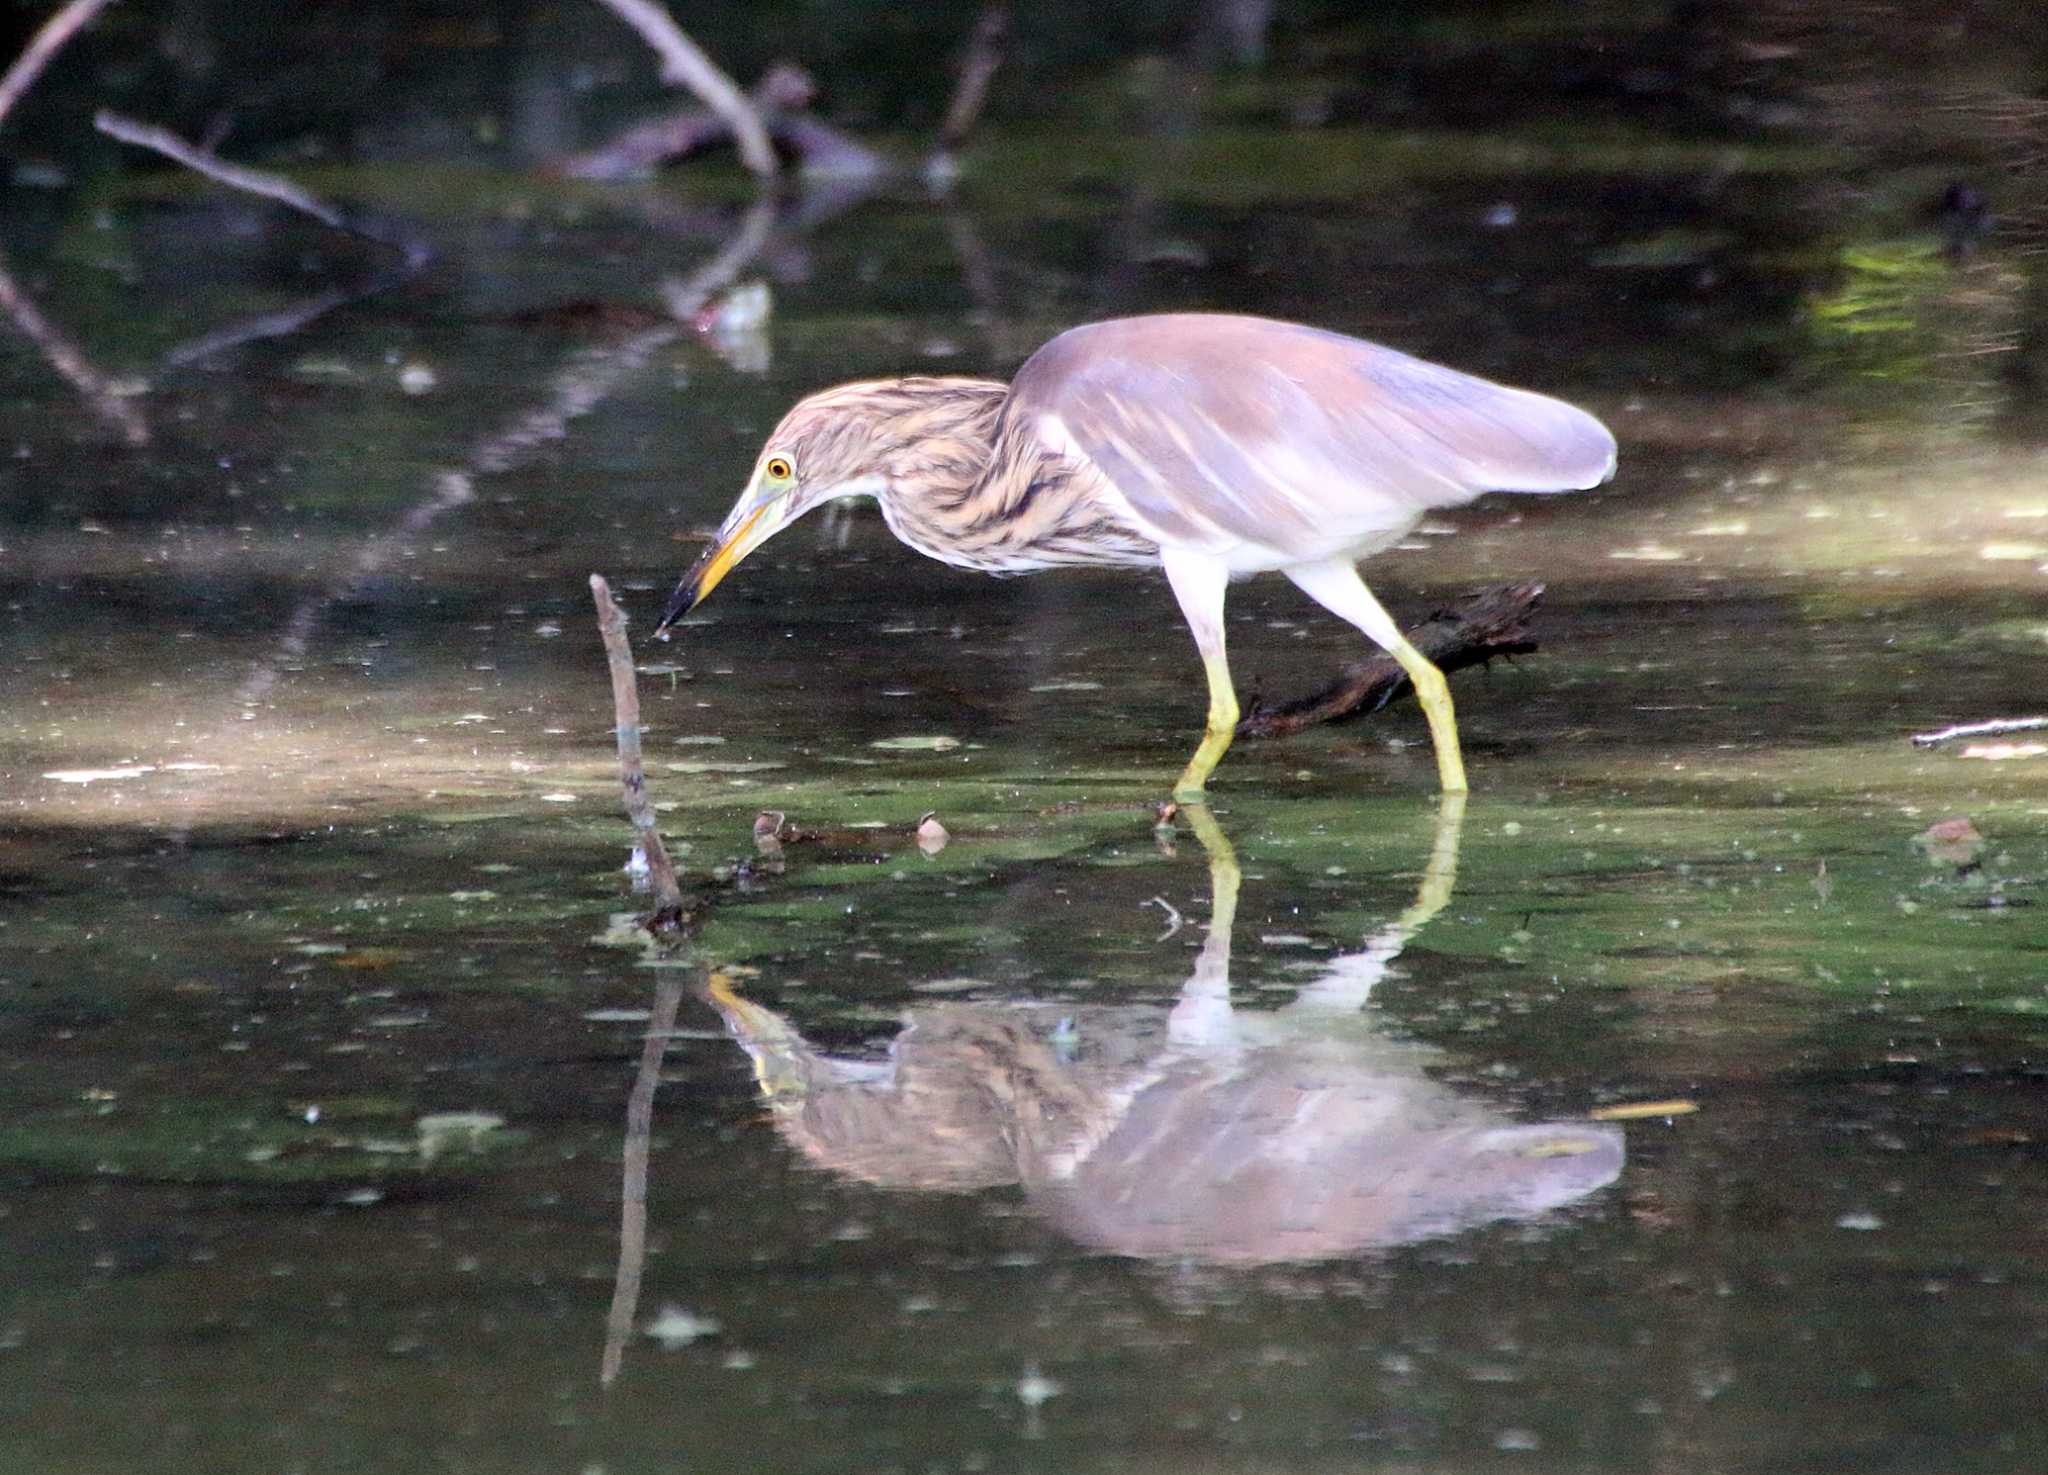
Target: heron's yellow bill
{"points": [[717, 562]]}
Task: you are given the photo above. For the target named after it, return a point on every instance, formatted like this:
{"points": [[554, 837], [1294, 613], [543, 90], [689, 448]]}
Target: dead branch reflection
{"points": [[1200, 1132]]}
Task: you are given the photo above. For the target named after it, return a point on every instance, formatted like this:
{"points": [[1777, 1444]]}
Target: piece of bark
{"points": [[1493, 623]]}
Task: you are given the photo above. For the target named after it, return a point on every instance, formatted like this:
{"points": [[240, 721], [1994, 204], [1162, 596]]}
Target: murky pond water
{"points": [[1677, 1102]]}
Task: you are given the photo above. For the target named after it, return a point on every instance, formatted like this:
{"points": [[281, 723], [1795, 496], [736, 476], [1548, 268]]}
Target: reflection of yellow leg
{"points": [[1216, 736], [1441, 873], [1224, 875]]}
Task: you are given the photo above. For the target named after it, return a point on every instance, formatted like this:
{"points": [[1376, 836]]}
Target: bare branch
{"points": [[783, 88], [258, 182], [1978, 729], [977, 68], [66, 358], [684, 64], [56, 32]]}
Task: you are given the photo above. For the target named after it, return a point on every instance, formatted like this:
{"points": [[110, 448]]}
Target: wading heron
{"points": [[1211, 446]]}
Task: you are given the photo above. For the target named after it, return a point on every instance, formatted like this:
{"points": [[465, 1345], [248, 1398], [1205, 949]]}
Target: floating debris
{"points": [[443, 1131], [1635, 1111], [1951, 842], [98, 775], [937, 742], [931, 835], [1999, 752]]}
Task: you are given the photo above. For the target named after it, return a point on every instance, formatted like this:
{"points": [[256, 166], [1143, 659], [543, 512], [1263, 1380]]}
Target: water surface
{"points": [[321, 1036]]}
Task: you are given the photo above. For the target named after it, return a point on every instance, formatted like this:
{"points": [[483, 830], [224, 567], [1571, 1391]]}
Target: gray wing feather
{"points": [[1221, 428]]}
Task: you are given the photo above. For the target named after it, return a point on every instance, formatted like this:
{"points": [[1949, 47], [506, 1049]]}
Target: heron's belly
{"points": [[1354, 537]]}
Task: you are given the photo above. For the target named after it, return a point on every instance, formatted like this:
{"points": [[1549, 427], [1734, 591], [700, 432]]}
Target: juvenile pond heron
{"points": [[1211, 446]]}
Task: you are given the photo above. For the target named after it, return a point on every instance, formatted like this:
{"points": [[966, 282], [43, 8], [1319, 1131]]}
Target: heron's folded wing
{"points": [[1220, 429]]}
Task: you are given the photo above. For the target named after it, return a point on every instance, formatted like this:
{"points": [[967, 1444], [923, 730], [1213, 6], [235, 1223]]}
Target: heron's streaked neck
{"points": [[937, 446]]}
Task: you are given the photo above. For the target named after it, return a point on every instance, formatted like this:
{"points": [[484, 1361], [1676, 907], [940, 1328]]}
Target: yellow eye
{"points": [[779, 469]]}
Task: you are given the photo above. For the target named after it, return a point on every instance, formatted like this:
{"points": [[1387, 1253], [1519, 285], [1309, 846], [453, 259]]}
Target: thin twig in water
{"points": [[668, 998], [258, 182], [661, 872], [684, 64], [1173, 917], [67, 360], [1978, 729], [55, 34], [279, 324]]}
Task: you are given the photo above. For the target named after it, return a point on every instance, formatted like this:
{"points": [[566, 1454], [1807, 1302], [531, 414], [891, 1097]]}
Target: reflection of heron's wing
{"points": [[1296, 1157], [1224, 431]]}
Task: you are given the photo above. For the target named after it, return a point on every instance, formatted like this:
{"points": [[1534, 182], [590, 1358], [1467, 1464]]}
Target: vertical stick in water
{"points": [[611, 624]]}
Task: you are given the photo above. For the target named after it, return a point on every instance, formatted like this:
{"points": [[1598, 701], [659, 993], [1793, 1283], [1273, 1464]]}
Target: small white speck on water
{"points": [[558, 798], [676, 1327], [1517, 1439], [1859, 1221], [1035, 1389]]}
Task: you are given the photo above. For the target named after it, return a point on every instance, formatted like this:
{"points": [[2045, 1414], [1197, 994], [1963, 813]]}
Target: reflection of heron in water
{"points": [[1201, 1131]]}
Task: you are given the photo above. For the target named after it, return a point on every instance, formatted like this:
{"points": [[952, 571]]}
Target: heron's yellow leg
{"points": [[1216, 735], [1199, 581], [1335, 585], [1435, 695]]}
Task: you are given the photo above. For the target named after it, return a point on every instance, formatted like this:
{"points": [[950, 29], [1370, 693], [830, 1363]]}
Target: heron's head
{"points": [[871, 439]]}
